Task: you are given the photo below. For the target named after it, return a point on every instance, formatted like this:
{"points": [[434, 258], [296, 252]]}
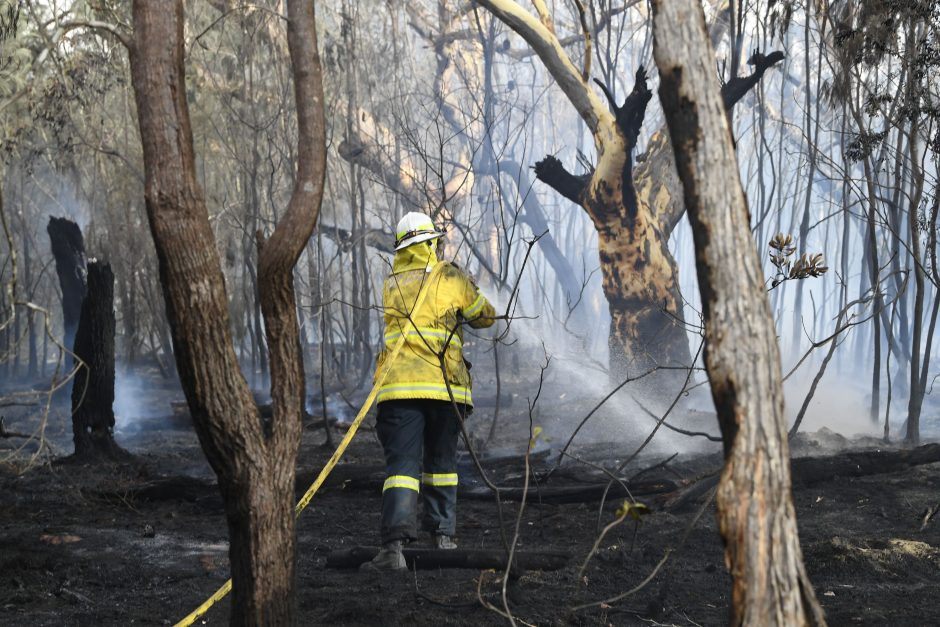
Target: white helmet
{"points": [[413, 228]]}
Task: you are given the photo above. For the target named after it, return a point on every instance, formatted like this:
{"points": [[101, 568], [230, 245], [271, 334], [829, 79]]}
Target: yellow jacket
{"points": [[417, 371]]}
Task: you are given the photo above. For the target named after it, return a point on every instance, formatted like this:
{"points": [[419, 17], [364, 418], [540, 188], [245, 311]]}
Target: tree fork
{"points": [[254, 462]]}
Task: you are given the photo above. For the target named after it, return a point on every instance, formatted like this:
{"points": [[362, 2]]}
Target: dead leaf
{"points": [[54, 539], [208, 562]]}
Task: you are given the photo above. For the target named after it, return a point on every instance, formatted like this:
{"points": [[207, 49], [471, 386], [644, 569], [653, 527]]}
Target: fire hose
{"points": [[337, 454]]}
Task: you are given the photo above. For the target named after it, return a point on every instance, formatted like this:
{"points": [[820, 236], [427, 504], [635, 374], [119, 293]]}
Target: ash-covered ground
{"points": [[145, 542]]}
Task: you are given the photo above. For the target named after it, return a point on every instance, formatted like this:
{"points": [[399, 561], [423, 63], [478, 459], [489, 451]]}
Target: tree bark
{"points": [[93, 385], [254, 461], [755, 507], [68, 249]]}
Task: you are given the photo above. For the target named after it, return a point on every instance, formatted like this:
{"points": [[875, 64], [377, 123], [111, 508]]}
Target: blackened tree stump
{"points": [[93, 386]]}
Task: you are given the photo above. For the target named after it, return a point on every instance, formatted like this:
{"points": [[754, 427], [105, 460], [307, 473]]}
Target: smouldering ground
{"points": [[79, 548]]}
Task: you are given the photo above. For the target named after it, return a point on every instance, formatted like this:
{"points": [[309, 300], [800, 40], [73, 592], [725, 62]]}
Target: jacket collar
{"points": [[418, 256]]}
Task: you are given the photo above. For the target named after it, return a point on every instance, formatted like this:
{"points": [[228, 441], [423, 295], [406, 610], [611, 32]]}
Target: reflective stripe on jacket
{"points": [[434, 328]]}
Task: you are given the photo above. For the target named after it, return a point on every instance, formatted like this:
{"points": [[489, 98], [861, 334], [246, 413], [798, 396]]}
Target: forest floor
{"points": [[145, 543]]}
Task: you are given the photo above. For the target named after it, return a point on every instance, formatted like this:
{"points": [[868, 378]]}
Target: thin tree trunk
{"points": [[32, 367], [812, 137], [755, 506], [916, 397]]}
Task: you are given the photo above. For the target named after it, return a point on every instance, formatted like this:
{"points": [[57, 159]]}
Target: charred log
{"points": [[810, 471], [807, 472], [476, 559], [557, 495]]}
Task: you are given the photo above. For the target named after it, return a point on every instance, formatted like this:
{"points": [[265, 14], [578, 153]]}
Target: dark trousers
{"points": [[420, 442]]}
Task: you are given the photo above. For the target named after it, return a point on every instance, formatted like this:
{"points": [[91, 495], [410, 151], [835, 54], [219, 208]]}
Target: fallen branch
{"points": [[576, 494], [14, 434], [809, 471], [700, 434], [477, 559]]}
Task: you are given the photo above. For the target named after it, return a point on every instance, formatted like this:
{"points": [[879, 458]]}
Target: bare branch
{"points": [[556, 60]]}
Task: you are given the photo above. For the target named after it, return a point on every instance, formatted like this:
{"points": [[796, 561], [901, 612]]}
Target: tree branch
{"points": [[656, 178], [97, 26], [737, 87], [551, 172], [553, 55]]}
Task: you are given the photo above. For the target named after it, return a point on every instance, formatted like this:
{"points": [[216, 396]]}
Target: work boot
{"points": [[443, 542], [389, 558]]}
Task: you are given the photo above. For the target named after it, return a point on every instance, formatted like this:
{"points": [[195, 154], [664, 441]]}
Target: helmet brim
{"points": [[417, 239]]}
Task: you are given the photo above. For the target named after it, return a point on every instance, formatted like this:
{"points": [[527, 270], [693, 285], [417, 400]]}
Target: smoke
{"points": [[575, 384], [337, 409], [59, 195], [140, 403]]}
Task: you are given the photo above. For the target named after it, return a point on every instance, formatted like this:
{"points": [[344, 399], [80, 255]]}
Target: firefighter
{"points": [[427, 390]]}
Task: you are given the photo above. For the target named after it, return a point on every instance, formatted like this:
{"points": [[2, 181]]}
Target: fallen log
{"points": [[372, 477], [13, 434], [572, 494], [809, 471], [477, 559], [181, 408], [174, 488]]}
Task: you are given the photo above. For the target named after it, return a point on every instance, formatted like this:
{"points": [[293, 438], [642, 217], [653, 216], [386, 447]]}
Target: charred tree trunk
{"points": [[639, 273], [254, 461], [634, 213], [755, 506], [93, 386], [68, 249]]}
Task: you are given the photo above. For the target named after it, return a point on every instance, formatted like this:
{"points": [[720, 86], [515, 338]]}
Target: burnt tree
{"points": [[633, 211], [93, 385], [68, 249], [253, 459], [755, 505]]}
